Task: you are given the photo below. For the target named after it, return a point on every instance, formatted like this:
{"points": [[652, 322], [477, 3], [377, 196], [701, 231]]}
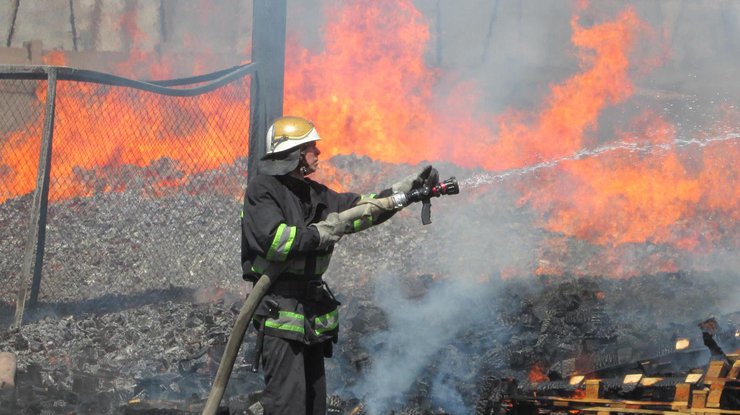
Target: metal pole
{"points": [[11, 31], [268, 53], [37, 229], [73, 24]]}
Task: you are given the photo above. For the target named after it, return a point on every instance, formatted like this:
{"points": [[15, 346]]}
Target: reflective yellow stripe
{"points": [[327, 322], [362, 223], [286, 327], [288, 321], [260, 265], [290, 314], [281, 243]]}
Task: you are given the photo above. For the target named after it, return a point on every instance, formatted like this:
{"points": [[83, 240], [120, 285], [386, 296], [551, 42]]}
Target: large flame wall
{"points": [[372, 91]]}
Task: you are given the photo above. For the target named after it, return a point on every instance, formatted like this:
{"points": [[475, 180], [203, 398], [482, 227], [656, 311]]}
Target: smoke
{"points": [[725, 264], [418, 330], [471, 243]]}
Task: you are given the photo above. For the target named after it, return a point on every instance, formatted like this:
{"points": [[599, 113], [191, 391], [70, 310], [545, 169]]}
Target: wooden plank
{"points": [[607, 409], [715, 394], [593, 389], [735, 370], [698, 400], [717, 369], [606, 401], [682, 398]]}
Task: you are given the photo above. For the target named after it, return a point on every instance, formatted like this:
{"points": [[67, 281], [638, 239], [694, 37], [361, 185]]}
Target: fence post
{"points": [[268, 53], [37, 228]]}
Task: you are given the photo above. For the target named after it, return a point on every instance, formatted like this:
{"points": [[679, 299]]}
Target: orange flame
{"points": [[124, 138], [579, 393], [537, 373], [573, 107], [620, 198], [371, 93], [54, 58], [348, 90]]}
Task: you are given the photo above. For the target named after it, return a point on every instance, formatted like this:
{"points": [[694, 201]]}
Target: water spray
{"points": [[487, 178]]}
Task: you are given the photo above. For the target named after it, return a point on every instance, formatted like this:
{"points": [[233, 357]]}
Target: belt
{"points": [[292, 285], [314, 289]]}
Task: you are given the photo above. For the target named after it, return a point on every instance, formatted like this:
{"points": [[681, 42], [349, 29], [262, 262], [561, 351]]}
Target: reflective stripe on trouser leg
{"points": [[327, 322], [287, 321]]}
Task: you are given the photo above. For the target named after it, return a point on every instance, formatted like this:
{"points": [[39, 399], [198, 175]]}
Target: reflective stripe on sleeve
{"points": [[287, 321], [281, 244], [362, 223]]}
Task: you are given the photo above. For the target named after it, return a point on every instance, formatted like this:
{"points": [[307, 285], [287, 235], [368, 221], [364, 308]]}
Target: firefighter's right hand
{"points": [[331, 230], [416, 180]]}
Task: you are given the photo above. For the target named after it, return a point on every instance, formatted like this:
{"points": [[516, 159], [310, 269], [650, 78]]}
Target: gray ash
{"points": [[140, 293]]}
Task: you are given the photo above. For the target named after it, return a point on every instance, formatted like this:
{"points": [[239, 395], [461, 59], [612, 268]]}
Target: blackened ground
{"points": [[140, 294], [165, 354]]}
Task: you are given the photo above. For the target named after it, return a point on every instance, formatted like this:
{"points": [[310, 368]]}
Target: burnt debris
{"points": [[136, 309]]}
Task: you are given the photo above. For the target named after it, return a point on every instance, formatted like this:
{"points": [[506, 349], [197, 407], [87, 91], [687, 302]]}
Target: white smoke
{"points": [[418, 330], [474, 241]]}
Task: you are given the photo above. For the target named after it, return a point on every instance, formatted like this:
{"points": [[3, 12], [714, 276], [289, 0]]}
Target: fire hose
{"points": [[365, 209]]}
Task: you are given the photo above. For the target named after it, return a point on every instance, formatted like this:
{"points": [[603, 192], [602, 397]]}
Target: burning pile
{"points": [[155, 343], [576, 247], [642, 192]]}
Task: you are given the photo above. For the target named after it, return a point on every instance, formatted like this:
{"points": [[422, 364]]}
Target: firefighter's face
{"points": [[311, 158]]}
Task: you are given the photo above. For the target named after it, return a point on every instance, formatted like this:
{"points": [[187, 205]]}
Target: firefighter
{"points": [[290, 218]]}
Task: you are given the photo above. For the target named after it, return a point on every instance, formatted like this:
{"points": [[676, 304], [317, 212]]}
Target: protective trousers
{"points": [[295, 381]]}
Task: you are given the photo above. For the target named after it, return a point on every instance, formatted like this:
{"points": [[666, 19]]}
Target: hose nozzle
{"points": [[447, 187], [424, 194]]}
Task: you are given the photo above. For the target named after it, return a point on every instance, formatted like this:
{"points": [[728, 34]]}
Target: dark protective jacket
{"points": [[275, 227]]}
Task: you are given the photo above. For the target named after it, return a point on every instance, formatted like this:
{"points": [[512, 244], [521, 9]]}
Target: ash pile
{"points": [[427, 319]]}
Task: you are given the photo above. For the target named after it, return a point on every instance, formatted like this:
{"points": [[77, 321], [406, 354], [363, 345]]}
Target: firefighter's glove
{"points": [[428, 176], [331, 230]]}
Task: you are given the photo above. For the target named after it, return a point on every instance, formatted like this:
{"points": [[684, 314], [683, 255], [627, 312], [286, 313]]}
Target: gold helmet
{"points": [[284, 138]]}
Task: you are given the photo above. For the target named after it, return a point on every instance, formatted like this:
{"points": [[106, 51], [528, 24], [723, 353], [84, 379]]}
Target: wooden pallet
{"points": [[699, 394]]}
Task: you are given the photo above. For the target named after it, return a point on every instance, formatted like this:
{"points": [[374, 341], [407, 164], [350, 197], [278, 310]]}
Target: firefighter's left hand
{"points": [[427, 175]]}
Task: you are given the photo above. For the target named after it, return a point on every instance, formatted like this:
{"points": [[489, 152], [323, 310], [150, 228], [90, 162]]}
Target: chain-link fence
{"points": [[21, 116], [144, 185]]}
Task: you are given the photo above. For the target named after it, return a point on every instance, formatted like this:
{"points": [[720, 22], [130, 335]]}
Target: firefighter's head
{"points": [[291, 146]]}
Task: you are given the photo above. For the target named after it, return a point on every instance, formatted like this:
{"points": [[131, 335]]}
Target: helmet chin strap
{"points": [[303, 166]]}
